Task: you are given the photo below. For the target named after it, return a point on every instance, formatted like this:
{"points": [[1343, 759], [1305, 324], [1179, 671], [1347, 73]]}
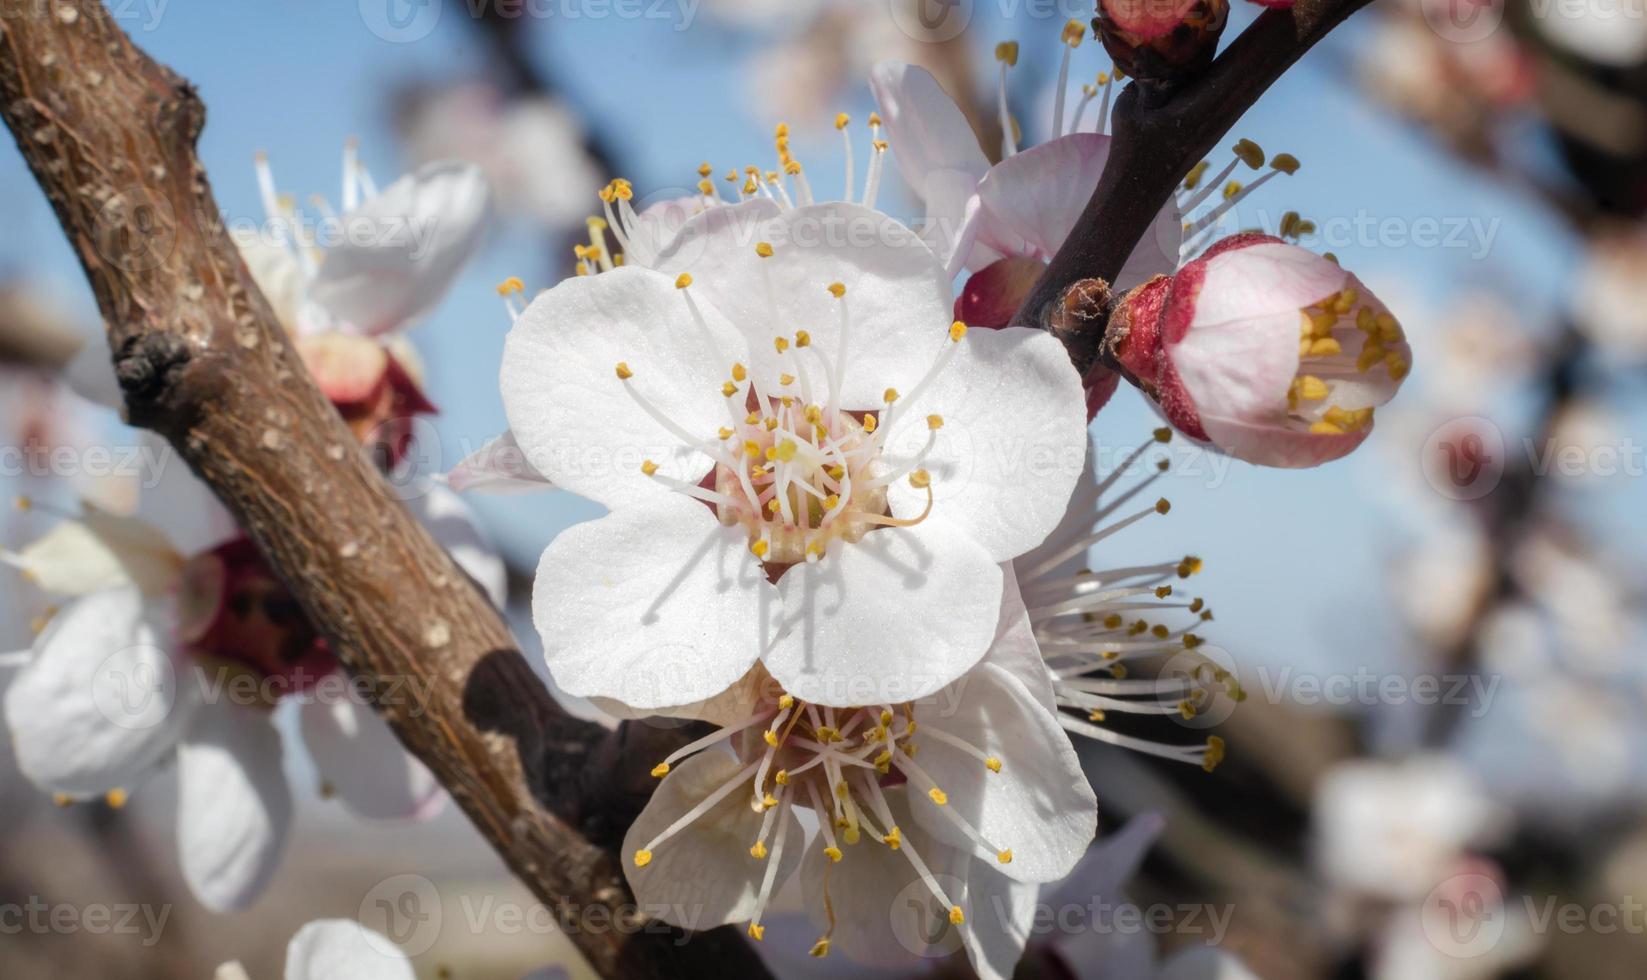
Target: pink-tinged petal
{"points": [[500, 466], [349, 369], [1038, 194], [1236, 368], [1146, 20], [1248, 276], [925, 127], [359, 759], [1135, 329], [993, 294], [1284, 443], [1100, 384]]}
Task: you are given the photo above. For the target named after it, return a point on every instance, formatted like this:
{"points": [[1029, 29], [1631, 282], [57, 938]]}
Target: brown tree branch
{"points": [[1159, 136], [110, 136]]}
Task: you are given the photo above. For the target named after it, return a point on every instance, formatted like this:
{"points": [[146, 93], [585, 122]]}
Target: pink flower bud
{"points": [[1267, 351], [1161, 39]]}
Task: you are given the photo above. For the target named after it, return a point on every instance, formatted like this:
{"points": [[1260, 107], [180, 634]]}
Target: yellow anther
{"points": [[729, 389], [874, 119], [1006, 52], [1191, 565], [1005, 857], [1112, 621], [763, 249], [649, 468], [704, 169], [1311, 388], [771, 423], [890, 395], [781, 777], [1194, 176], [643, 857], [781, 344], [841, 120], [837, 289], [771, 737], [786, 379], [786, 449], [606, 194], [957, 330], [758, 852], [831, 501], [1284, 162], [851, 835], [992, 764], [820, 948], [759, 549], [768, 801], [1073, 33], [1163, 505], [660, 770], [786, 701], [1214, 754], [803, 339], [511, 286], [894, 838], [116, 798], [870, 424], [683, 280], [938, 796], [792, 167], [956, 916], [706, 188], [1231, 189], [1250, 153], [920, 479], [833, 853], [624, 374], [756, 931]]}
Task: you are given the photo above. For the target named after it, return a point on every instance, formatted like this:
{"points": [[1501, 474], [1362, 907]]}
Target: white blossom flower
{"points": [[1391, 830], [947, 808], [1006, 220], [158, 659], [808, 464], [346, 293], [1267, 351], [1096, 625], [335, 949]]}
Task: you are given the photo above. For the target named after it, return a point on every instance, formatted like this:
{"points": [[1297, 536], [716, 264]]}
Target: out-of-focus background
{"points": [[1440, 638]]}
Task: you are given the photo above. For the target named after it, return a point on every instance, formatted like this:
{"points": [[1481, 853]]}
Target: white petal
{"points": [[885, 915], [1014, 649], [1080, 516], [418, 233], [1000, 916], [100, 702], [890, 618], [926, 129], [497, 467], [1039, 805], [338, 949], [100, 551], [359, 758], [234, 806], [570, 412], [654, 605], [278, 276], [896, 289], [704, 875], [1012, 444], [455, 527]]}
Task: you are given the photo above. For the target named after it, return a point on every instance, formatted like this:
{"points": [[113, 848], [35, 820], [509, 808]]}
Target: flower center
{"points": [[840, 762], [1327, 329], [793, 465]]}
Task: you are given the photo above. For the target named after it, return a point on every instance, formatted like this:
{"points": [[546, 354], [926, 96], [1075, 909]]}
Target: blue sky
{"points": [[1290, 555]]}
